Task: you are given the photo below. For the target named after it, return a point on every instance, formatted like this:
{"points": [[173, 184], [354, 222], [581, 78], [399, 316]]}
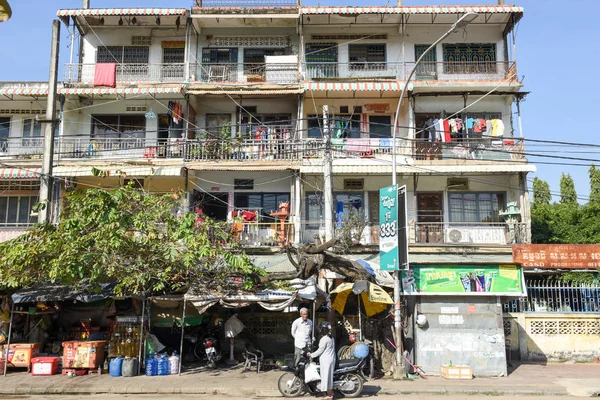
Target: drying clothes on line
{"points": [[105, 74], [497, 127], [447, 137]]}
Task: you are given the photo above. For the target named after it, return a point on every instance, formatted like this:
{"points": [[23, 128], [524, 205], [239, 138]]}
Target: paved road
{"points": [[213, 397]]}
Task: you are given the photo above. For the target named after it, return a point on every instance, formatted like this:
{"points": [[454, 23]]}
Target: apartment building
{"points": [[232, 101]]}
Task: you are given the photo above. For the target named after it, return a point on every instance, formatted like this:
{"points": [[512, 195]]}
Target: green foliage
{"points": [[594, 184], [541, 192], [568, 195], [127, 236], [350, 233], [577, 277]]}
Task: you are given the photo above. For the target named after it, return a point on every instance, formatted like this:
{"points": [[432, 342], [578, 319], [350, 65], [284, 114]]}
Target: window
{"points": [[219, 56], [475, 207], [354, 184], [32, 131], [264, 203], [257, 56], [469, 58], [16, 210], [367, 57], [380, 126], [4, 132], [344, 203], [123, 54], [341, 126], [215, 123], [106, 127], [174, 55], [243, 184]]}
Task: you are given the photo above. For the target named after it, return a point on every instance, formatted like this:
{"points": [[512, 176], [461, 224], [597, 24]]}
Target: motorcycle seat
{"points": [[347, 363]]}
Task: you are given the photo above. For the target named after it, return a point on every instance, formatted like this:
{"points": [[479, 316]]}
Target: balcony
{"points": [[437, 71], [468, 149], [22, 147], [242, 149], [244, 73], [128, 73], [435, 234], [261, 234]]}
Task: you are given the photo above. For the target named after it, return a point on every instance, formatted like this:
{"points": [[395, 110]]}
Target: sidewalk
{"points": [[524, 379]]}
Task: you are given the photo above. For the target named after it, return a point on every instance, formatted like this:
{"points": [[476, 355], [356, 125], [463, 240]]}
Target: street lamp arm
{"points": [[462, 21]]}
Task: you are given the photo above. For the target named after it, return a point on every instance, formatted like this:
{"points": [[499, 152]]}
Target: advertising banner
{"points": [[498, 280], [388, 228]]}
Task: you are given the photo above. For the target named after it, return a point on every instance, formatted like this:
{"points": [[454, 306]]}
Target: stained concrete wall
{"points": [[464, 330], [553, 337]]}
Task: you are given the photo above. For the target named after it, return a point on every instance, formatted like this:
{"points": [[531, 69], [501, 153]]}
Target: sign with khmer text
{"points": [[569, 256], [388, 228]]}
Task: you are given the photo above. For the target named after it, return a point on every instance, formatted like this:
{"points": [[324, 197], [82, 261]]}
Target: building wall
{"points": [[222, 181], [552, 337], [461, 331]]}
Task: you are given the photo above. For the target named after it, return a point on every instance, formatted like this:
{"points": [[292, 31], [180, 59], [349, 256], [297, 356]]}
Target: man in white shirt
{"points": [[301, 331]]}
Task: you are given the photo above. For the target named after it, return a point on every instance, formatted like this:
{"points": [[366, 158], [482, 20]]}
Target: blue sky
{"points": [[558, 51]]}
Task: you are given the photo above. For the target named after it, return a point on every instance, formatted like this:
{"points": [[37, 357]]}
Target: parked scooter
{"points": [[212, 346], [348, 379]]}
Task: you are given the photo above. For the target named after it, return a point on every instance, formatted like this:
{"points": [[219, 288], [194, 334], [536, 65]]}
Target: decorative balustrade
{"points": [[128, 72]]}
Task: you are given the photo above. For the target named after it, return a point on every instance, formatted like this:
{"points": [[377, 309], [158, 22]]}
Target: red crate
{"points": [[43, 366]]}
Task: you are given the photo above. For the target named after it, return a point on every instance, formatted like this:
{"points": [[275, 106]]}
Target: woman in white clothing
{"points": [[326, 354]]}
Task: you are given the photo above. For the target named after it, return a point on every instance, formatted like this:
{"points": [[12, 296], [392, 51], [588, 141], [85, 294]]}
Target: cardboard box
{"points": [[456, 371]]}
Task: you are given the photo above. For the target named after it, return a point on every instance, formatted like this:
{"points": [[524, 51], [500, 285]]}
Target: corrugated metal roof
{"points": [[384, 167], [243, 166], [20, 173], [246, 92], [116, 171], [120, 11], [104, 91], [357, 86], [412, 10]]}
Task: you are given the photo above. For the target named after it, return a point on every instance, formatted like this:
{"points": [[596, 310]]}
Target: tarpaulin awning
{"points": [[357, 86], [412, 10], [120, 11], [23, 91], [52, 292], [272, 300], [20, 173]]}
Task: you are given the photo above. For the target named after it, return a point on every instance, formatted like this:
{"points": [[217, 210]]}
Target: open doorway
{"points": [[213, 205]]}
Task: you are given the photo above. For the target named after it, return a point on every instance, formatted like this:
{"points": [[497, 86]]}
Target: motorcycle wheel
{"points": [[290, 385], [358, 386], [199, 351], [212, 364]]}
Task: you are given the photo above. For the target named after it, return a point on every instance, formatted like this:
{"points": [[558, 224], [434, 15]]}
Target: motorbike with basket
{"points": [[348, 378]]}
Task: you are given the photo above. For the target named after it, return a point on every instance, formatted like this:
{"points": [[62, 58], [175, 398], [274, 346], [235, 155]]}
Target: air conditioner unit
{"points": [[454, 235]]}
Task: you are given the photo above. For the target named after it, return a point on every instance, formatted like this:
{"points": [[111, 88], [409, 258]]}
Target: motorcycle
{"points": [[348, 379], [212, 347]]}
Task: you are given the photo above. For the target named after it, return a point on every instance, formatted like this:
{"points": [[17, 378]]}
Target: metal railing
{"points": [[24, 146], [467, 70], [558, 297], [352, 148], [469, 232], [279, 73], [86, 147], [498, 148], [135, 72], [334, 70], [242, 149], [245, 3], [259, 234]]}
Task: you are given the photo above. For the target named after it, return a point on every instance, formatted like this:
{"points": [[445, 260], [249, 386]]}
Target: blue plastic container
{"points": [[151, 365], [115, 367], [359, 350], [163, 365]]}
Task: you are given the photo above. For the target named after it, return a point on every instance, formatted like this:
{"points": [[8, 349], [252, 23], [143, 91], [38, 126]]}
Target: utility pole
{"points": [[327, 176], [46, 180]]}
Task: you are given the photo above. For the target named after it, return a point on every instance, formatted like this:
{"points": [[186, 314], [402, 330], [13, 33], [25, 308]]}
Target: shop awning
{"points": [[51, 292], [411, 10], [244, 166], [20, 173], [245, 92], [117, 171], [272, 300], [121, 91], [23, 91], [120, 11], [357, 86]]}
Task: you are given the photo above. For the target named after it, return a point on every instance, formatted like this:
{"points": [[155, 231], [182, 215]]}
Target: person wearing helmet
{"points": [[326, 354]]}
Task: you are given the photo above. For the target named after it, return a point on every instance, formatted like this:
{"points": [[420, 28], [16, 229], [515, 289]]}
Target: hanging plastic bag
{"points": [[311, 372]]}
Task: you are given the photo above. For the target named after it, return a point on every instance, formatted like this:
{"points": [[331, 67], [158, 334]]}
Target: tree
{"points": [[594, 174], [568, 195], [541, 192], [127, 236]]}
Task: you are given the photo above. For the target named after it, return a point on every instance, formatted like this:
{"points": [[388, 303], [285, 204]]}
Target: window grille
{"points": [[123, 54], [360, 54], [173, 55], [469, 58], [141, 40], [354, 184], [16, 210], [14, 185]]}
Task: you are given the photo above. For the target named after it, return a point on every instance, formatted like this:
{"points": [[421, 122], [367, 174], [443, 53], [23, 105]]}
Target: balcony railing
{"points": [[333, 70], [245, 3], [430, 233], [139, 72], [439, 71], [258, 234], [27, 146], [248, 149], [471, 149], [278, 73]]}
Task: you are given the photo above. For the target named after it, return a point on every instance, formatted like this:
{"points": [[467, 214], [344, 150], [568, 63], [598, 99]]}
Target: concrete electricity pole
{"points": [[46, 180], [328, 176]]}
